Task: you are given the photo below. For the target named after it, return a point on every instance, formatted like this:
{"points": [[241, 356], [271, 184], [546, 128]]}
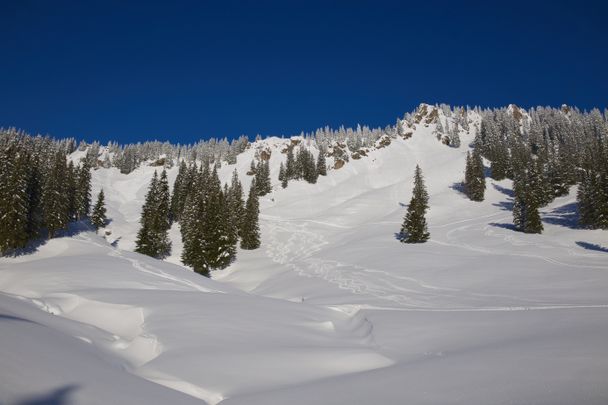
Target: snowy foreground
{"points": [[332, 309]]}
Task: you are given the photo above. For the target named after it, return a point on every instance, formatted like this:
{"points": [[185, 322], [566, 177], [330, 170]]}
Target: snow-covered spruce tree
{"points": [[208, 233], [309, 168], [219, 249], [262, 178], [34, 195], [152, 238], [235, 201], [321, 164], [54, 196], [414, 228], [290, 164], [71, 184], [283, 176], [178, 195], [526, 217], [474, 179], [14, 202], [191, 225], [455, 136], [83, 191], [98, 216], [250, 231]]}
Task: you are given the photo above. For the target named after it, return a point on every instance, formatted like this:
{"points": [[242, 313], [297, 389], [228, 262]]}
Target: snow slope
{"points": [[331, 309]]}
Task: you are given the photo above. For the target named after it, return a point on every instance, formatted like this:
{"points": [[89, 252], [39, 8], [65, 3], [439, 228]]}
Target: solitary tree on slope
{"points": [[414, 228], [98, 217]]}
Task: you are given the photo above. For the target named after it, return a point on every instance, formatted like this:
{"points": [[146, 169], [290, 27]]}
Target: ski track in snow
{"points": [[297, 250]]}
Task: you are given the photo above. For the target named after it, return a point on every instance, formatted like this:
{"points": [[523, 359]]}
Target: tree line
{"points": [[544, 151], [41, 193], [212, 219]]}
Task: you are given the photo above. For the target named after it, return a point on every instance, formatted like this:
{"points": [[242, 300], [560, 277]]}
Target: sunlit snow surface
{"points": [[332, 309]]}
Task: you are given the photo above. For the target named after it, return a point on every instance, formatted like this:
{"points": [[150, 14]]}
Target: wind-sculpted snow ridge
{"points": [[167, 325], [331, 308]]}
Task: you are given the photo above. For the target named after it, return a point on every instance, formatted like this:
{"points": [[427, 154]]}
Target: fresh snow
{"points": [[331, 309]]}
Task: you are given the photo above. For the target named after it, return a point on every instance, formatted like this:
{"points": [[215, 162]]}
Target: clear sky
{"points": [[186, 70]]}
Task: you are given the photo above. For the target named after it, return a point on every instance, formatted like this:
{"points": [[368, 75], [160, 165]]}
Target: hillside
{"points": [[332, 306]]}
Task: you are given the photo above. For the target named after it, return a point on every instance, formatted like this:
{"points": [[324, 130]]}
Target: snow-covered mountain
{"points": [[332, 308]]}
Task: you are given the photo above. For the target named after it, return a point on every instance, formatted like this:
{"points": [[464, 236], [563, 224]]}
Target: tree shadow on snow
{"points": [[506, 191], [74, 228], [58, 396], [566, 215], [459, 187], [504, 205], [503, 225], [592, 246], [5, 317]]}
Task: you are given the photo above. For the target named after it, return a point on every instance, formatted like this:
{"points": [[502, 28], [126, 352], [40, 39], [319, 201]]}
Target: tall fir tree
{"points": [[527, 199], [191, 226], [14, 202], [250, 231], [283, 176], [71, 184], [262, 178], [177, 197], [83, 190], [290, 164], [414, 228], [235, 201], [54, 196], [153, 238], [321, 164], [474, 179], [98, 216]]}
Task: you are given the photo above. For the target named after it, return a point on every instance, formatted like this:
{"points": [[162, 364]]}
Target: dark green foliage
{"points": [[83, 190], [414, 228], [180, 190], [321, 164], [306, 163], [250, 232], [528, 198], [283, 176], [474, 179], [262, 178], [210, 222], [71, 184], [14, 201], [152, 238], [98, 216], [55, 201], [290, 164]]}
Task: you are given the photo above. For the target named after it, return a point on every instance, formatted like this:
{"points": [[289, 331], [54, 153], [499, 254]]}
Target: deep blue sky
{"points": [[184, 70]]}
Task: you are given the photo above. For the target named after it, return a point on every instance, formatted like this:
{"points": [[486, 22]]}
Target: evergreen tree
{"points": [[414, 228], [262, 178], [192, 229], [250, 232], [71, 184], [152, 238], [219, 249], [290, 165], [54, 196], [283, 176], [178, 196], [14, 202], [83, 191], [474, 179], [321, 164], [236, 203], [526, 217], [98, 216]]}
